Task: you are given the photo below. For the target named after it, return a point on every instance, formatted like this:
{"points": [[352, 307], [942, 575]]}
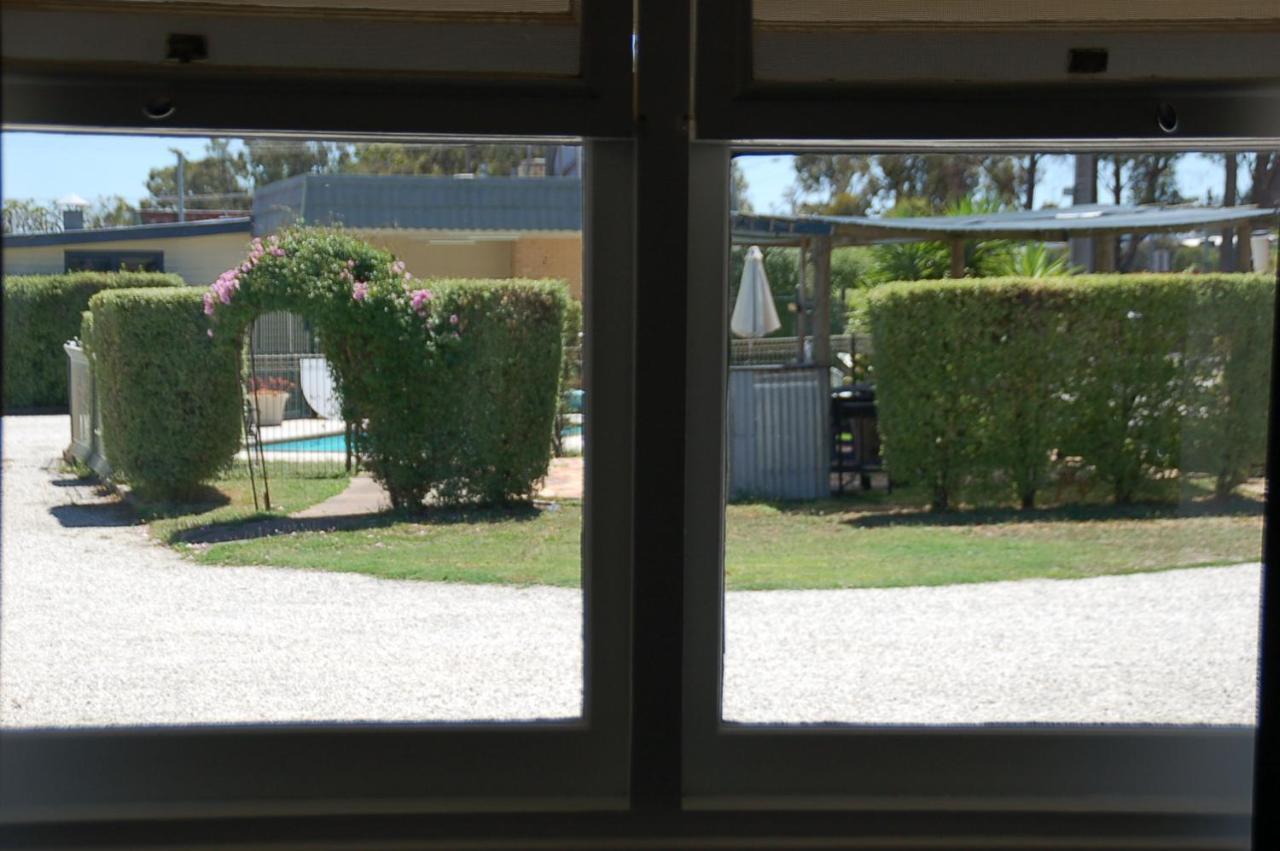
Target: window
{"points": [[656, 261], [114, 261]]}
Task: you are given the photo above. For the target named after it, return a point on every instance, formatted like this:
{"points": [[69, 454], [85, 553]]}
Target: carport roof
{"points": [[1047, 225]]}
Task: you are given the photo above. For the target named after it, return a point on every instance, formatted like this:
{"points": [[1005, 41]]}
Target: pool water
{"points": [[329, 443], [338, 443]]}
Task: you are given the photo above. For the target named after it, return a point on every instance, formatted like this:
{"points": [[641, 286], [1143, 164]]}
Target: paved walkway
{"points": [[99, 625], [365, 496]]}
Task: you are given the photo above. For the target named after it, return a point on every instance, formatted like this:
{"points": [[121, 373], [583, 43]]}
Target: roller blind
{"points": [[942, 13], [505, 38]]}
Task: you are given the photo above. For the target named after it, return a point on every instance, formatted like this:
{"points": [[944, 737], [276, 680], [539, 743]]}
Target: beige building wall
{"points": [[550, 257], [432, 256], [198, 259]]}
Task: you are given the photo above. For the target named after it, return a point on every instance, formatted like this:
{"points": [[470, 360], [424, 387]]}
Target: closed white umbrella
{"points": [[753, 313]]}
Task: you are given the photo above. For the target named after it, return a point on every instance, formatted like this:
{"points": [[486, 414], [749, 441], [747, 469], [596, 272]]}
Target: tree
{"points": [[26, 215], [216, 182], [1230, 193], [268, 160], [1264, 168], [113, 212], [391, 158], [855, 184], [738, 189], [1152, 179]]}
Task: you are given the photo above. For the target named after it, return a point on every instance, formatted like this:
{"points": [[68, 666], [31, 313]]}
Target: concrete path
{"points": [[365, 496]]}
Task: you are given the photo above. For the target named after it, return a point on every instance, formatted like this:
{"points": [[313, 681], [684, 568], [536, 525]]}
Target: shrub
{"points": [[1129, 333], [1229, 360], [982, 383], [453, 384], [570, 370], [494, 401], [41, 312], [169, 395]]}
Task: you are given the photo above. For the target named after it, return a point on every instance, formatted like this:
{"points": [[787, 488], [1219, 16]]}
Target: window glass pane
{"points": [[996, 435], [335, 472]]}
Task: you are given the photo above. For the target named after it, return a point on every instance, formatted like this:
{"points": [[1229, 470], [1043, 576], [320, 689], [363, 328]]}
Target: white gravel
{"points": [[99, 625], [1177, 647]]}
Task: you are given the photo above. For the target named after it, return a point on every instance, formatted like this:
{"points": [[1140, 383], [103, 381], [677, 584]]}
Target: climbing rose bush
{"points": [[429, 372]]}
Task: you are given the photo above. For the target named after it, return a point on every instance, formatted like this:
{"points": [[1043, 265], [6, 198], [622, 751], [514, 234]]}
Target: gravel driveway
{"points": [[99, 625]]}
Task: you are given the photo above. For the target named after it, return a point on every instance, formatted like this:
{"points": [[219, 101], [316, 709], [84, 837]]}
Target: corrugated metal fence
{"points": [[778, 433]]}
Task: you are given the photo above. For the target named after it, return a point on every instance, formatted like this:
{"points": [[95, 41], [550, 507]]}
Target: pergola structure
{"points": [[817, 235]]}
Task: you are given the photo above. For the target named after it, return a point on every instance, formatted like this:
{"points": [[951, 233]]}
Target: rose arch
{"points": [[402, 355]]}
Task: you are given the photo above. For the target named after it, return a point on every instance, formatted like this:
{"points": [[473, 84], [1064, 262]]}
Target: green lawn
{"points": [[858, 542], [228, 501]]}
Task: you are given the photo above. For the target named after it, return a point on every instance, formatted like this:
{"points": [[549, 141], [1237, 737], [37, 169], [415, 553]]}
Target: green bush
{"points": [[493, 404], [1229, 354], [452, 384], [41, 312], [570, 370], [169, 395], [983, 385]]}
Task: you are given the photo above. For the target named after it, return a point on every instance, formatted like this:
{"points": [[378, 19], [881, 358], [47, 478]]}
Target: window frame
{"points": [[1132, 770], [667, 218], [323, 768]]}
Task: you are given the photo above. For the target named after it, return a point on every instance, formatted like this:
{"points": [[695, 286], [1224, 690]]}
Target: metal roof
{"points": [[163, 230], [421, 202], [1047, 225]]}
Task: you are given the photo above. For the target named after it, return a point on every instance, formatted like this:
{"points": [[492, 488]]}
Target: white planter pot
{"points": [[269, 405]]}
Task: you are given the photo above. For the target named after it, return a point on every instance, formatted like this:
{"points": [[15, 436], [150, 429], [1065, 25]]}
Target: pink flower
{"points": [[453, 319], [210, 333], [418, 300], [277, 252], [397, 267], [360, 291], [228, 282], [351, 264], [208, 304]]}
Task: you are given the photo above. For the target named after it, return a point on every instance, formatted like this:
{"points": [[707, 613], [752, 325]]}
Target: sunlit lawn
{"points": [[229, 500], [856, 542]]}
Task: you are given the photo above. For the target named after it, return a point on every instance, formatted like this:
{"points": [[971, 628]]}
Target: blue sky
{"points": [[48, 166], [768, 177]]}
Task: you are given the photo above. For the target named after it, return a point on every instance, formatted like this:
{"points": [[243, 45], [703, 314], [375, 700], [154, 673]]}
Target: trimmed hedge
{"points": [[488, 411], [453, 384], [983, 386], [169, 394], [41, 312]]}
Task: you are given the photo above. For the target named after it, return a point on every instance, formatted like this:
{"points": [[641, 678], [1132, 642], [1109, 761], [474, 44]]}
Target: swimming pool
{"points": [[328, 443], [338, 442]]}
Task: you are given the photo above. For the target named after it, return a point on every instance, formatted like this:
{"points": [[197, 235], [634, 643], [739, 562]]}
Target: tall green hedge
{"points": [[169, 394], [487, 411], [41, 312], [984, 385]]}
